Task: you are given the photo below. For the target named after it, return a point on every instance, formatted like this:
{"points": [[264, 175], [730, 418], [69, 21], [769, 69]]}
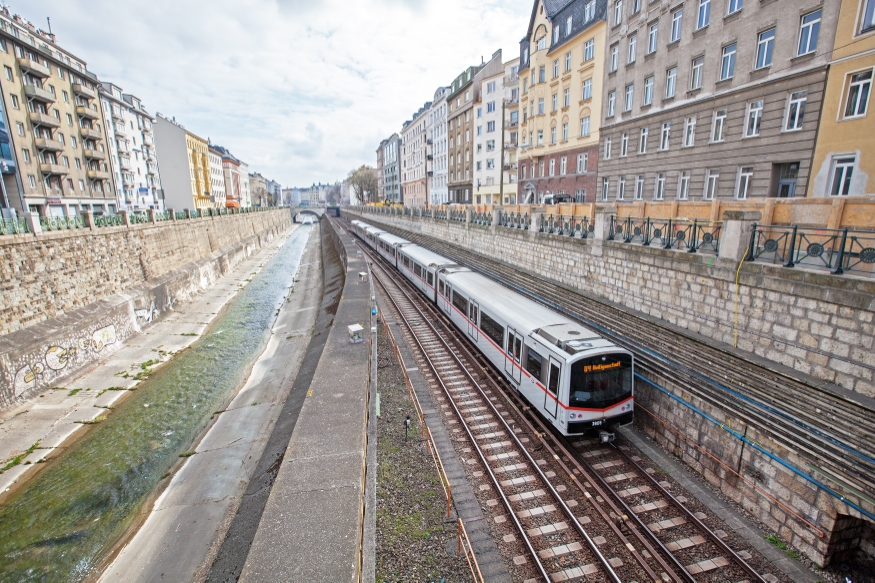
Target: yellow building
{"points": [[844, 155], [199, 167], [561, 69]]}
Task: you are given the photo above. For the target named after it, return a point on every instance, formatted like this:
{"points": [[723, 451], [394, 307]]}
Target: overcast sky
{"points": [[301, 90]]}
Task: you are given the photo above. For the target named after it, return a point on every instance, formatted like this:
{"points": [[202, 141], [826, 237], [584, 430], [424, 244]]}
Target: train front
{"points": [[600, 390]]}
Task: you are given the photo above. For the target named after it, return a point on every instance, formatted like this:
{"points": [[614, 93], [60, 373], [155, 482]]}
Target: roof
{"points": [[426, 257], [393, 240], [552, 7]]}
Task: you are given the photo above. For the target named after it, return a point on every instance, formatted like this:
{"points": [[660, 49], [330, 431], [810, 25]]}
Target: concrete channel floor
{"points": [[177, 539], [55, 415]]}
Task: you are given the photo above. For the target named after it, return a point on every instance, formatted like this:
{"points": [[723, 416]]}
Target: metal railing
{"points": [[482, 218], [61, 223], [681, 234], [569, 226], [138, 218], [836, 250], [162, 216], [108, 221], [514, 220], [457, 216], [13, 226]]}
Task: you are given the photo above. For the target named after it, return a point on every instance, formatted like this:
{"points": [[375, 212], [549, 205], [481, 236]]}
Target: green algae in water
{"points": [[61, 525]]}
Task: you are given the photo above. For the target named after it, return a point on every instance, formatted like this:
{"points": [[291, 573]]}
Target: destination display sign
{"points": [[601, 366]]}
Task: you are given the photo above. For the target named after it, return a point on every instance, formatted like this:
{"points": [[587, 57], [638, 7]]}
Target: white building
{"points": [[437, 135], [413, 159], [131, 150], [498, 96], [217, 179], [245, 195]]}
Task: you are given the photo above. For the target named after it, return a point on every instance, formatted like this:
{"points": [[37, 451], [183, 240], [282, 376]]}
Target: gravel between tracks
{"points": [[414, 543]]}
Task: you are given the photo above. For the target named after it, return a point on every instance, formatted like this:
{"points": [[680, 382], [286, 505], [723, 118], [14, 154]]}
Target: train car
{"points": [[420, 266], [575, 378], [388, 246], [371, 234]]}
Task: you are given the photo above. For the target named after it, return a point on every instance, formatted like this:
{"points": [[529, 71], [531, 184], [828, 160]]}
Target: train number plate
{"points": [[597, 423]]}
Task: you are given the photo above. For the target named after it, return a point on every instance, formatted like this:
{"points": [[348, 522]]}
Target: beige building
{"points": [[258, 189], [199, 170], [496, 135], [55, 161], [844, 154], [561, 70], [414, 159]]}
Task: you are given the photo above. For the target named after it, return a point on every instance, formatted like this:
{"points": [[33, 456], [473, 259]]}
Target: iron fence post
{"points": [[670, 238], [838, 269], [645, 239], [789, 261], [613, 228], [693, 241], [751, 250]]}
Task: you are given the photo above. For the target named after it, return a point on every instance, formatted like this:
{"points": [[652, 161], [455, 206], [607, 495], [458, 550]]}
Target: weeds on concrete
{"points": [[773, 538], [14, 461], [188, 453], [95, 421], [189, 334], [73, 392]]}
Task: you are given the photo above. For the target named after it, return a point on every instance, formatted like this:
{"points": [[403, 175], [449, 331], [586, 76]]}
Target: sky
{"points": [[301, 90]]}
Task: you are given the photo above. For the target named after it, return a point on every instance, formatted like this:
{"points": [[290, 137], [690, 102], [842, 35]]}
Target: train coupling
{"points": [[606, 436]]}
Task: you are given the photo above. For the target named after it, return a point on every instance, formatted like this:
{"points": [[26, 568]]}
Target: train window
{"points": [[473, 315], [533, 363], [492, 329], [461, 303], [602, 381], [430, 278], [417, 270], [517, 348], [553, 381], [441, 286]]}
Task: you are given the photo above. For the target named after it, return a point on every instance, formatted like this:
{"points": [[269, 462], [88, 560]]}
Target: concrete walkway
{"points": [[53, 417], [178, 540]]}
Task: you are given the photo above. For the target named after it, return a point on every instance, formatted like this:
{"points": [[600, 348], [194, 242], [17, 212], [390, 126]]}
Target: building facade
{"points": [[274, 192], [414, 180], [198, 150], [436, 133], [561, 70], [381, 176], [463, 93], [844, 156], [245, 195], [495, 139], [258, 189], [131, 151], [218, 196], [56, 162], [392, 170], [712, 99], [231, 177]]}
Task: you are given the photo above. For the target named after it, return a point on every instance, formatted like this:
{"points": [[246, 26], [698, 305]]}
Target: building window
{"points": [[659, 190], [605, 186], [589, 11], [745, 176], [542, 74], [765, 46], [868, 16], [553, 135], [664, 140], [568, 22], [542, 43], [14, 101], [563, 165], [858, 93], [639, 187], [479, 131], [630, 93], [718, 126], [754, 118], [8, 73], [618, 12], [490, 107], [809, 29], [683, 185], [584, 127], [612, 102], [727, 66], [633, 48], [842, 172], [582, 163], [20, 127], [704, 15], [540, 106], [671, 77], [795, 111], [587, 89], [652, 37], [697, 70], [648, 91], [624, 145], [615, 57], [642, 141], [565, 132], [25, 153], [490, 87], [540, 137], [568, 58], [552, 166], [690, 132], [555, 102], [589, 50], [621, 188], [555, 68], [566, 99], [711, 184], [608, 148], [677, 20]]}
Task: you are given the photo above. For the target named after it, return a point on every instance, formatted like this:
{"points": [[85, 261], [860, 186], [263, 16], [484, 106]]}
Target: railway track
{"points": [[571, 522], [803, 418]]}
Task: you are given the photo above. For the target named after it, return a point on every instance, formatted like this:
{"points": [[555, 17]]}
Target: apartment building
{"points": [[185, 166], [561, 70], [231, 176], [55, 160], [712, 98], [131, 151], [391, 174], [381, 178], [495, 137], [258, 189], [463, 93], [437, 147], [844, 154], [413, 158], [218, 198], [274, 192]]}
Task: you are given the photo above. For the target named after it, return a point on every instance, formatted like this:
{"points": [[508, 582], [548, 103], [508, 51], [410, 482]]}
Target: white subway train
{"points": [[574, 377]]}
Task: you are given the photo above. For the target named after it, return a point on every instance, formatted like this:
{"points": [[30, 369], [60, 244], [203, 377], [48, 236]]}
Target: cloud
{"points": [[303, 91]]}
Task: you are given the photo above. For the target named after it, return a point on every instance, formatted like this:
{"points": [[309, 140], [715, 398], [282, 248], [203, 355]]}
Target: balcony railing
{"points": [[42, 119], [90, 133], [34, 68], [87, 112], [94, 154], [48, 145], [39, 94], [84, 91], [98, 175], [53, 169]]}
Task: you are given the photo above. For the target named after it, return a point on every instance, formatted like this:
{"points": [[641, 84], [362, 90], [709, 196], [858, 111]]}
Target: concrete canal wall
{"points": [[72, 297]]}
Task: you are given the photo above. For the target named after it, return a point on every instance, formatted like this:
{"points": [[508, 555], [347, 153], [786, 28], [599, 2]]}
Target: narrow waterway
{"points": [[61, 525]]}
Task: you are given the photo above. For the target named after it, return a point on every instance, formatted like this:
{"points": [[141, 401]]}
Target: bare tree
{"points": [[333, 195], [364, 183]]}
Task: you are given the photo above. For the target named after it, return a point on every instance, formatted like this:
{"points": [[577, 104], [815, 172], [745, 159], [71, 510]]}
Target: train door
{"points": [[551, 396], [448, 290], [514, 353], [473, 313]]}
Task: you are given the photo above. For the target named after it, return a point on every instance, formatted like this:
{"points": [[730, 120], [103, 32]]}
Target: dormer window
{"points": [[542, 43], [555, 34]]}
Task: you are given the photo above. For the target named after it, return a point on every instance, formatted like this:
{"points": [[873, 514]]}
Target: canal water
{"points": [[61, 525]]}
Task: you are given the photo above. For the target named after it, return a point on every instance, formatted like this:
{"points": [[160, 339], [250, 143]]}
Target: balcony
{"points": [[53, 169], [89, 133], [148, 140], [128, 179], [94, 155], [511, 80], [513, 124], [34, 68], [120, 129], [98, 175], [87, 112], [512, 100], [125, 163], [151, 169], [84, 91], [48, 145], [43, 119], [39, 94]]}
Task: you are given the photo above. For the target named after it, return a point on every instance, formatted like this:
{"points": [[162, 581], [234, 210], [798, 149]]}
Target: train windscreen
{"points": [[602, 381]]}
